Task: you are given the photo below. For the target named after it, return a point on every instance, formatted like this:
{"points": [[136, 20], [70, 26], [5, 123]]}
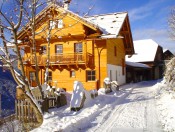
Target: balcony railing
{"points": [[61, 59]]}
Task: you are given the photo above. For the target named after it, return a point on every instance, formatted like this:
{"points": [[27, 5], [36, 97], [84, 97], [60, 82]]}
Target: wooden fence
{"points": [[25, 112], [7, 119]]}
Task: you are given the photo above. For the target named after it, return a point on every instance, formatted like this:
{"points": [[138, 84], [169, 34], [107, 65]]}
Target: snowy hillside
{"points": [[7, 91], [133, 108]]}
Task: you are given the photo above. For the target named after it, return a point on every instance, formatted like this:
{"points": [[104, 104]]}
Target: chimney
{"points": [[66, 4]]}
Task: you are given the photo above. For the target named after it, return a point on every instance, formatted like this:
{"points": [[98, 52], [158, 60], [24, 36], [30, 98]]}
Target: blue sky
{"points": [[148, 18]]}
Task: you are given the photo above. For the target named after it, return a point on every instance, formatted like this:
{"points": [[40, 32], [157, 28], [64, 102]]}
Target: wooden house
{"points": [[84, 49], [167, 55], [149, 53]]}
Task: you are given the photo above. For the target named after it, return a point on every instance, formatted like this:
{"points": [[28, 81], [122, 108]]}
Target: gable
{"points": [[72, 24], [110, 24], [125, 32], [67, 28], [115, 25]]}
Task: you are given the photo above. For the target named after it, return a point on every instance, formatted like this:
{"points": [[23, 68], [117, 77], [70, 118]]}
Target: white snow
{"points": [[136, 64], [60, 91], [164, 50], [77, 96], [166, 107], [11, 44], [133, 108], [145, 51], [115, 21], [106, 80]]}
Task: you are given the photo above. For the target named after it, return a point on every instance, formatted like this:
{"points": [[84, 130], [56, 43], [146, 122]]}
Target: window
{"points": [[32, 76], [49, 76], [72, 73], [123, 67], [78, 48], [52, 24], [90, 75], [59, 49], [43, 50], [110, 72], [56, 24], [115, 51], [60, 23], [116, 74]]}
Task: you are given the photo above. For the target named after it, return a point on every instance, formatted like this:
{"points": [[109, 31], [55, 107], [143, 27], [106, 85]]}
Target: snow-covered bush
{"points": [[170, 74]]}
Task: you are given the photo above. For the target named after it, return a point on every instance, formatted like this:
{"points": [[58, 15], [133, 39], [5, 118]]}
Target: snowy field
{"points": [[136, 107]]}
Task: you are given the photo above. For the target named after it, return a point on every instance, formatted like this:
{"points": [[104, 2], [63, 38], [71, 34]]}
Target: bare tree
{"points": [[23, 17], [10, 24], [169, 75], [171, 22]]}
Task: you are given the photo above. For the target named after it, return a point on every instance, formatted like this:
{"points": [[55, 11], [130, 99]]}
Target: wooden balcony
{"points": [[61, 59]]}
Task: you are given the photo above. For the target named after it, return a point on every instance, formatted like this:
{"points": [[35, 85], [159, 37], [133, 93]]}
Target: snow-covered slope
{"points": [[7, 91]]}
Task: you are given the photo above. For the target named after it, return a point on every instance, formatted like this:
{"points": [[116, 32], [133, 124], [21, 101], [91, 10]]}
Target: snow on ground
{"points": [[166, 107], [133, 108], [137, 112], [62, 119]]}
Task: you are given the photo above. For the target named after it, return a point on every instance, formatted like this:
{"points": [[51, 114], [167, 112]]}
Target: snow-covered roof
{"points": [[145, 51], [59, 8], [164, 50], [136, 64], [110, 24], [167, 50], [11, 43]]}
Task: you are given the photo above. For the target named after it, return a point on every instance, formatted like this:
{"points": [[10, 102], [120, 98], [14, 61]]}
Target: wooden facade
{"points": [[76, 51]]}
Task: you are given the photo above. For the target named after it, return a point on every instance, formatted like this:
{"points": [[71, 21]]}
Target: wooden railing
{"points": [[61, 59]]}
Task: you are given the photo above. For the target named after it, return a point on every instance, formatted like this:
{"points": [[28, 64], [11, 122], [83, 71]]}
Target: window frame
{"points": [[52, 24], [43, 50], [58, 23], [91, 75], [49, 77], [56, 50], [78, 47], [33, 77], [72, 75], [123, 66]]}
